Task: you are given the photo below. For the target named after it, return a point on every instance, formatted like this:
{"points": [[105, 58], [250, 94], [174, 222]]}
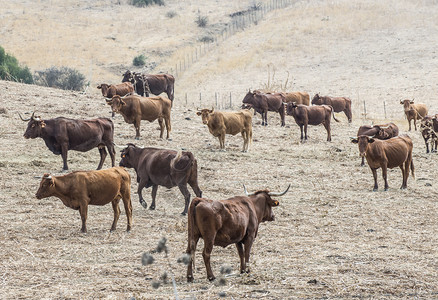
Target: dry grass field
{"points": [[332, 238]]}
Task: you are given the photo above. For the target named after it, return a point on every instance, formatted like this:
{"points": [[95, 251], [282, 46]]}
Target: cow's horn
{"points": [[47, 177], [246, 192], [109, 101], [22, 118], [120, 147], [279, 194]]}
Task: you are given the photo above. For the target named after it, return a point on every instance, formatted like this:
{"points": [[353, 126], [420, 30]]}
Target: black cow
{"points": [[163, 167], [63, 134], [153, 83]]}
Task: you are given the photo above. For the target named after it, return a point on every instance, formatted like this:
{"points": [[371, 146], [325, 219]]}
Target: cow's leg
{"points": [[141, 184], [406, 171], [186, 193], [415, 122], [126, 197], [305, 131], [329, 133], [112, 153], [64, 150], [154, 195], [239, 247], [221, 138], [374, 170], [409, 120], [348, 114], [404, 177], [137, 129], [281, 112], [248, 244], [103, 155], [436, 144], [208, 248], [191, 248], [168, 125], [83, 211], [116, 209], [302, 135], [193, 182], [385, 175], [363, 162], [161, 123], [245, 140], [427, 145]]}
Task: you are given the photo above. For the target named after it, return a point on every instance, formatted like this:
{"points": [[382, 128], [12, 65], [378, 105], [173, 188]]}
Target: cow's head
{"points": [[264, 207], [317, 100], [34, 127], [249, 97], [290, 107], [363, 141], [129, 159], [407, 104], [205, 114], [47, 187], [104, 87], [116, 103], [128, 76]]}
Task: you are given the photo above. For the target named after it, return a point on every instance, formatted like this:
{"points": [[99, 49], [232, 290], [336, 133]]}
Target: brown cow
{"points": [[79, 189], [297, 97], [110, 90], [338, 103], [387, 154], [137, 108], [381, 132], [154, 83], [428, 133], [311, 115], [224, 222], [163, 167], [414, 111], [264, 102], [222, 122]]}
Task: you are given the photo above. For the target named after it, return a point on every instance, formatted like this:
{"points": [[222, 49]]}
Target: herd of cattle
{"points": [[219, 223]]}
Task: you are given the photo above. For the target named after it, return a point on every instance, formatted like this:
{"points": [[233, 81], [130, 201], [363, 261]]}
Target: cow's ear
{"points": [[354, 141], [43, 124], [411, 101], [275, 203], [371, 140], [122, 102], [198, 113]]}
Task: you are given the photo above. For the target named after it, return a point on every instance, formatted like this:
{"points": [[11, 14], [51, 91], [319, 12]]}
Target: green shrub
{"points": [[142, 3], [201, 21], [62, 78], [11, 70], [139, 60]]}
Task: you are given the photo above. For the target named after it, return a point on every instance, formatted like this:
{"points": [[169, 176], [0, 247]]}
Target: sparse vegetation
{"points": [[202, 21], [171, 14], [275, 85], [142, 3], [139, 60], [11, 70], [206, 39], [63, 78]]}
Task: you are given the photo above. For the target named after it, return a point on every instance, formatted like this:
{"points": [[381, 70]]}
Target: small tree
{"points": [[62, 78], [139, 60], [11, 70]]}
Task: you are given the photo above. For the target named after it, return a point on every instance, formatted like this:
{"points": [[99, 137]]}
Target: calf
{"points": [[381, 132], [311, 115], [162, 167], [387, 154], [224, 222], [429, 134], [110, 90], [79, 189], [137, 108], [339, 104], [414, 111], [220, 123]]}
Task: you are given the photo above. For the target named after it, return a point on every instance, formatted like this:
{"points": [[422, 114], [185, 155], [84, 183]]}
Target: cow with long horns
{"points": [[63, 134], [223, 222]]}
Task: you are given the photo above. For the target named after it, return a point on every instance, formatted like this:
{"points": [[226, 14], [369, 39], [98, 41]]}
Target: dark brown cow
{"points": [[428, 133], [137, 108], [224, 222], [223, 122], [338, 103], [162, 167], [297, 97], [264, 102], [155, 83], [414, 111], [311, 115], [79, 189], [381, 132], [387, 154], [62, 134], [110, 90]]}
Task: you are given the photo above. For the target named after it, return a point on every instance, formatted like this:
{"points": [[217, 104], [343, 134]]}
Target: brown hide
{"points": [[414, 111], [221, 122], [162, 167], [137, 108], [391, 153], [224, 222], [154, 83], [264, 102], [79, 189], [311, 115], [339, 104], [110, 90], [428, 133], [297, 97]]}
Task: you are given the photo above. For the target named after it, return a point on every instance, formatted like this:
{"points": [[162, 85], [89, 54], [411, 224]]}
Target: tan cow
{"points": [[223, 122], [297, 97], [79, 189], [137, 108], [414, 111]]}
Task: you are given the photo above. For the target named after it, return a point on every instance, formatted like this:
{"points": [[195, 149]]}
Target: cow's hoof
{"points": [[386, 189], [144, 204], [189, 278], [211, 278], [151, 207], [183, 213], [375, 190]]}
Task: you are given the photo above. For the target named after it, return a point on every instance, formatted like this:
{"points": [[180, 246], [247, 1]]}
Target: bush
{"points": [[171, 14], [139, 60], [201, 21], [62, 78], [142, 3], [206, 39], [11, 70]]}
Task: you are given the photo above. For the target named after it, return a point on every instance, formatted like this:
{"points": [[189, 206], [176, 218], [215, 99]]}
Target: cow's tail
{"points": [[190, 229], [333, 113], [412, 167], [177, 158]]}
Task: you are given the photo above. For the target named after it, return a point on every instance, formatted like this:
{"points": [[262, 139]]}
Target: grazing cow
{"points": [[381, 132], [387, 154], [156, 84], [163, 167], [79, 189], [338, 103], [414, 111], [224, 222], [110, 90], [222, 122], [264, 102], [136, 108], [63, 134], [311, 115], [297, 97], [429, 134]]}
